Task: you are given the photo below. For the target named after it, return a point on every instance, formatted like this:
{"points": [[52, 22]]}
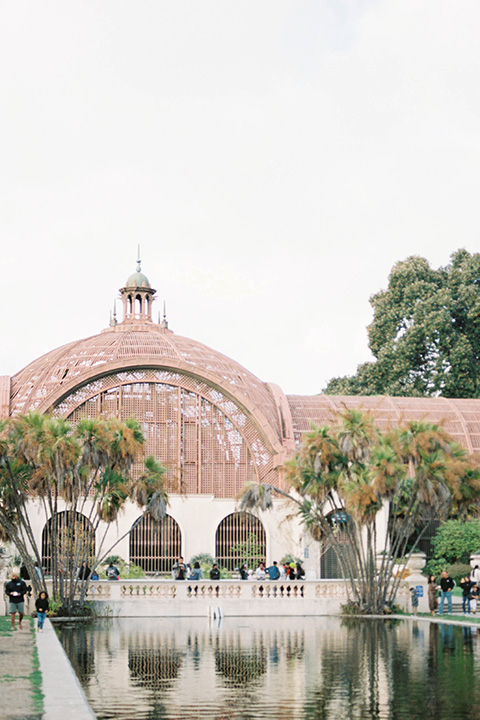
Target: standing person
{"points": [[179, 570], [243, 573], [414, 599], [475, 575], [84, 571], [432, 595], [112, 572], [42, 605], [446, 586], [273, 571], [291, 571], [16, 590], [466, 585], [474, 599], [214, 572]]}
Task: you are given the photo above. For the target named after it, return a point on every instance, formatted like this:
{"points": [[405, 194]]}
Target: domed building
{"points": [[211, 422]]}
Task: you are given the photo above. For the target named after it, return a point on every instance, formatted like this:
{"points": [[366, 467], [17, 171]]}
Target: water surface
{"points": [[254, 668]]}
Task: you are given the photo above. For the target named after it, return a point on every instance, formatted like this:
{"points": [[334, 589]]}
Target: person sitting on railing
{"points": [[179, 570], [243, 573], [197, 572], [273, 571], [299, 572], [260, 572], [214, 572]]}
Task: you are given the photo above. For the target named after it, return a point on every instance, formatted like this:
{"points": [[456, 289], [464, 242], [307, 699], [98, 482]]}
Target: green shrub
{"points": [[455, 541], [132, 572]]}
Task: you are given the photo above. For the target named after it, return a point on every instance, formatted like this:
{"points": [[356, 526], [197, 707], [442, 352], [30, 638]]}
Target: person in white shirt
{"points": [[260, 572]]}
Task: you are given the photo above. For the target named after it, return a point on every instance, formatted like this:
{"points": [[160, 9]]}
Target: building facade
{"points": [[212, 423]]}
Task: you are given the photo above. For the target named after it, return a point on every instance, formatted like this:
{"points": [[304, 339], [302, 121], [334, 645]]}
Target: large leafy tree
{"points": [[344, 475], [84, 470], [425, 334]]}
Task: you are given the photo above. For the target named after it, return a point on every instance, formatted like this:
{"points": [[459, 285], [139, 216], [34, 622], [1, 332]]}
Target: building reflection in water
{"points": [[315, 668]]}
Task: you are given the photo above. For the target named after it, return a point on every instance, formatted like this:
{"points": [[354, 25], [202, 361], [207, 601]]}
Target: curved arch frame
{"points": [[68, 387], [155, 548], [238, 529], [64, 539], [192, 433]]}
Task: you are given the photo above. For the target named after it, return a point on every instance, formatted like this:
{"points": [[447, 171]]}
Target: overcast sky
{"points": [[273, 159]]}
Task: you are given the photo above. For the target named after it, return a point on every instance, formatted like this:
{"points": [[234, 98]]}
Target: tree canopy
{"points": [[344, 475], [425, 333]]}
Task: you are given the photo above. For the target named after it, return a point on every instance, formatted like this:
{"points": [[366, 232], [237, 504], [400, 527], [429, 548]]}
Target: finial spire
{"points": [[139, 262], [164, 323], [113, 318]]}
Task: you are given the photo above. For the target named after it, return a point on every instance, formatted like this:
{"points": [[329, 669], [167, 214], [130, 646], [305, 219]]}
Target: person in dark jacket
{"points": [[112, 572], [16, 590], [42, 606], [446, 586], [215, 572], [84, 571], [466, 585], [243, 573], [299, 572]]}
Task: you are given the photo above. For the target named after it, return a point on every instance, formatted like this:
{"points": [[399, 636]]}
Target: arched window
{"points": [[74, 537], [155, 547], [330, 567], [240, 539]]}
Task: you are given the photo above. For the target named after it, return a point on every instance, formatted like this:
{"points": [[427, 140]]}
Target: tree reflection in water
{"points": [[313, 668], [78, 645]]}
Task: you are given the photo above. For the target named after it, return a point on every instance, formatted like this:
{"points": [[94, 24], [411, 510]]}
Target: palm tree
{"points": [[88, 469], [343, 475]]}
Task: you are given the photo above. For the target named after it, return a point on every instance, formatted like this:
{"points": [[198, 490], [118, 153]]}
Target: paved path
{"points": [[21, 684], [63, 695], [17, 673]]}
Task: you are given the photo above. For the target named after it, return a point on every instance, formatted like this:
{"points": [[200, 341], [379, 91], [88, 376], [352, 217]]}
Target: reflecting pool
{"points": [[251, 668]]}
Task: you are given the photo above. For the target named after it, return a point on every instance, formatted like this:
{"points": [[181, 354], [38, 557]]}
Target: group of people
{"points": [[16, 589], [290, 571], [287, 571], [470, 585], [182, 571]]}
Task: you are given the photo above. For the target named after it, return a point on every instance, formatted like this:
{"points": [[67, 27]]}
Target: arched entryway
{"points": [[240, 538], [155, 546], [74, 537], [330, 566]]}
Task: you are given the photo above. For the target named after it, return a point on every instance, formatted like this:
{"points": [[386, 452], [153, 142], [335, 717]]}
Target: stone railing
{"points": [[169, 598], [238, 589]]}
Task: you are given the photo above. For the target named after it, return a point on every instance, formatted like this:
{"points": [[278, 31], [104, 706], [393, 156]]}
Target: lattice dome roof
{"points": [[51, 377]]}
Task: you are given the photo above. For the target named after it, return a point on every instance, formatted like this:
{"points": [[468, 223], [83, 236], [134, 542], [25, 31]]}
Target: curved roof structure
{"points": [[146, 352], [461, 418], [47, 380]]}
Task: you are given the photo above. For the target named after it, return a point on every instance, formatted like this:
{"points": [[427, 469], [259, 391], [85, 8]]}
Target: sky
{"points": [[273, 160]]}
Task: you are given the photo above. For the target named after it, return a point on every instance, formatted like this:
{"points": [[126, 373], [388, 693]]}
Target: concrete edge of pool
{"points": [[63, 696]]}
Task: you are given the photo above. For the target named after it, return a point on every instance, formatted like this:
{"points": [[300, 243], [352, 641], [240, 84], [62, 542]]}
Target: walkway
{"points": [[20, 653]]}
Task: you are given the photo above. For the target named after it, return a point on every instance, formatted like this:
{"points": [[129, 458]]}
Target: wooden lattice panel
{"points": [[155, 547], [461, 418], [237, 530], [207, 443]]}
